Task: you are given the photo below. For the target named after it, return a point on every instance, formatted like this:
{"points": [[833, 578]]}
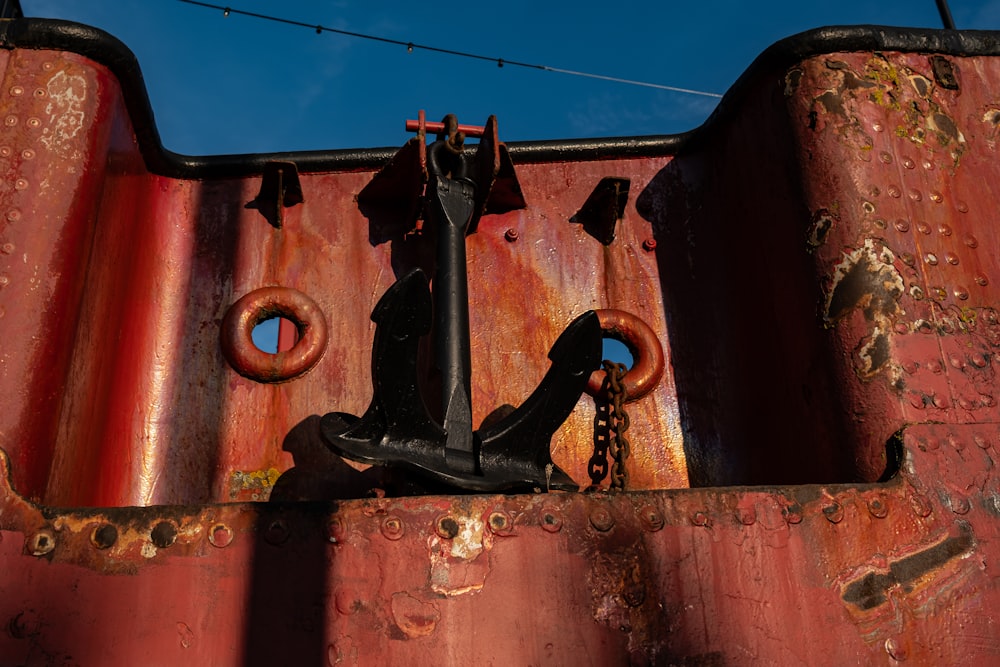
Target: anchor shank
{"points": [[452, 205]]}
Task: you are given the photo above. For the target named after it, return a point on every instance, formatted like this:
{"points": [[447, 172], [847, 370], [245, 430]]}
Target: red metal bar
{"points": [[435, 128]]}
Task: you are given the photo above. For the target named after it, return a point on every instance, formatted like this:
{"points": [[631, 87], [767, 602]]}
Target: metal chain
{"points": [[618, 447], [598, 465], [610, 424]]}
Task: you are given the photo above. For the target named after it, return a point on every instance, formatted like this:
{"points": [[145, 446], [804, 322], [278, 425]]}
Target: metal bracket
{"points": [[279, 189], [604, 208]]}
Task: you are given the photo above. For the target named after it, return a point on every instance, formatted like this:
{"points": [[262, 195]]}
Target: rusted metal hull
{"points": [[812, 478]]}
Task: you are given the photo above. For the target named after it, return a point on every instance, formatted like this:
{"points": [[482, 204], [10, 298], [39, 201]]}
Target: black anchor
{"points": [[510, 455]]}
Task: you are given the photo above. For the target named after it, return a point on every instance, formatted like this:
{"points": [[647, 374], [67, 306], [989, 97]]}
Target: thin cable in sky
{"points": [[410, 46]]}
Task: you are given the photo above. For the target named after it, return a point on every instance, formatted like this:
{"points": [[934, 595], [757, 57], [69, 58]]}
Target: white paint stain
{"points": [[67, 93]]}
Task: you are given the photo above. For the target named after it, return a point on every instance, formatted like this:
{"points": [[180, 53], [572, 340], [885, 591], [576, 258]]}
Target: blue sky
{"points": [[242, 85]]}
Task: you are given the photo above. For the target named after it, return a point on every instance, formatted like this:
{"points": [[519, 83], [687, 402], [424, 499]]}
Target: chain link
{"points": [[618, 446], [610, 424]]}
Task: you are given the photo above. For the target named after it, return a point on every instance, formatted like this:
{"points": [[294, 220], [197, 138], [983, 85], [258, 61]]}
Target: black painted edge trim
{"points": [[93, 43]]}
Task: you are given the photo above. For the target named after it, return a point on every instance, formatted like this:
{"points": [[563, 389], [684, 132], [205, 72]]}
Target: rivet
{"points": [[47, 67], [901, 328], [220, 535], [981, 441], [700, 519], [923, 228], [792, 515], [981, 280], [957, 443], [6, 151], [959, 504], [10, 121], [550, 521], [651, 518], [276, 532], [908, 163], [601, 519], [893, 191], [335, 530], [13, 215], [961, 293], [920, 506], [42, 543], [28, 154], [966, 404], [20, 184], [500, 523], [511, 235], [908, 259], [4, 280], [931, 259], [940, 402], [901, 225], [40, 92], [918, 294], [7, 248], [880, 223], [885, 157], [940, 294], [928, 165], [16, 90], [910, 367], [986, 400], [163, 534], [971, 241], [392, 527], [746, 515], [951, 258], [936, 197], [446, 527], [962, 207], [877, 126], [956, 362], [944, 230], [649, 244], [934, 366], [34, 122], [877, 508], [917, 400], [895, 649], [914, 194], [104, 536], [834, 512]]}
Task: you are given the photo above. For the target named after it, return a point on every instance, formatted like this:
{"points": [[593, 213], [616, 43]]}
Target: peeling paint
{"points": [[67, 93], [413, 617], [252, 484], [867, 279]]}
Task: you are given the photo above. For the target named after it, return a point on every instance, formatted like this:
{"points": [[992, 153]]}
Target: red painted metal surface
{"points": [[827, 317]]}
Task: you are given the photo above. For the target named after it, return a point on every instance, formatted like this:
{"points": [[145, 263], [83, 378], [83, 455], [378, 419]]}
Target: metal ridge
{"points": [[98, 45]]}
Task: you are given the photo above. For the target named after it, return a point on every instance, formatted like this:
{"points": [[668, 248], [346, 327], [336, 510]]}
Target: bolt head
{"points": [[500, 523], [392, 527], [220, 535], [446, 527], [550, 521], [601, 519], [651, 517], [104, 536]]}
